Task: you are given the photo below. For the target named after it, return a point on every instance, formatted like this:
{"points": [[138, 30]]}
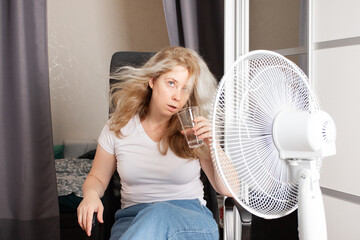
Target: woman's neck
{"points": [[154, 126], [154, 123], [155, 117]]}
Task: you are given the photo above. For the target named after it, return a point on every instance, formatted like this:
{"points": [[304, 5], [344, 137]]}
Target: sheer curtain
{"points": [[28, 194], [198, 24]]}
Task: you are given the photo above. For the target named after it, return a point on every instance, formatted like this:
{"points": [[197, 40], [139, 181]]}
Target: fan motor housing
{"points": [[300, 134]]}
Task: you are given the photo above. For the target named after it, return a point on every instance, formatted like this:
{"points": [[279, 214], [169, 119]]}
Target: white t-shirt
{"points": [[146, 175]]}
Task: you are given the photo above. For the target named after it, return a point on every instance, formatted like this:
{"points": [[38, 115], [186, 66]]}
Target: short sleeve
{"points": [[107, 139]]}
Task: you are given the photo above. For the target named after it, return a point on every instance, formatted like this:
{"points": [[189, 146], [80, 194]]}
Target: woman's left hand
{"points": [[202, 129]]}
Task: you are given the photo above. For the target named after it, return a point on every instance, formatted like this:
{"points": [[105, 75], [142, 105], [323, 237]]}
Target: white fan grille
{"points": [[259, 85]]}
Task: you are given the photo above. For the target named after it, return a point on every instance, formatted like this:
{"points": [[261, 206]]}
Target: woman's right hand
{"points": [[91, 203], [95, 184]]}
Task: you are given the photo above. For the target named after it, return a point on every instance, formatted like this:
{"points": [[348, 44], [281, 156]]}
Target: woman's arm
{"points": [[203, 131], [96, 182], [213, 176]]}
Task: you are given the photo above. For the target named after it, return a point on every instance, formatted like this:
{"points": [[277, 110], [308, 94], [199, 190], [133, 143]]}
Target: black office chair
{"points": [[112, 197], [251, 227]]}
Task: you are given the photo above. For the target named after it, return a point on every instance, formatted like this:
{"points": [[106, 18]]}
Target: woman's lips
{"points": [[172, 108]]}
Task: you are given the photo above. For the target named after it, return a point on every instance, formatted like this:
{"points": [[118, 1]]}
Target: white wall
{"points": [[82, 36], [337, 81]]}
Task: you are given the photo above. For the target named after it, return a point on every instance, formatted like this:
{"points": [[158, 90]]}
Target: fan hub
{"points": [[301, 134]]}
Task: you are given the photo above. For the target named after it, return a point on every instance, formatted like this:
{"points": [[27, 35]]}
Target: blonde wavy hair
{"points": [[131, 95]]}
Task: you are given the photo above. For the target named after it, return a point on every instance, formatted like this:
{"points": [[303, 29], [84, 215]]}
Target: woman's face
{"points": [[171, 91]]}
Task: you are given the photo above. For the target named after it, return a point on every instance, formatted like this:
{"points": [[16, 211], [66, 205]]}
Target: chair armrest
{"points": [[111, 202], [245, 219], [95, 228]]}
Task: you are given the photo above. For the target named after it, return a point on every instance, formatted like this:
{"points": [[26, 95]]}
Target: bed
{"points": [[71, 171], [70, 176]]}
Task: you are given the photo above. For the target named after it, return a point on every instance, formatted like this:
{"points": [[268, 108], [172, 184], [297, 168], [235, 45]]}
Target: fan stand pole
{"points": [[311, 215]]}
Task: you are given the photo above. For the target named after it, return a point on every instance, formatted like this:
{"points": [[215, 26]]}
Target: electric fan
{"points": [[269, 137]]}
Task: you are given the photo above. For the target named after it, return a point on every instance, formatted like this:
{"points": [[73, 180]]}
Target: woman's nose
{"points": [[177, 94]]}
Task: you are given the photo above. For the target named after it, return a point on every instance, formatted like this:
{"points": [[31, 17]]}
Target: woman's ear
{"points": [[151, 83]]}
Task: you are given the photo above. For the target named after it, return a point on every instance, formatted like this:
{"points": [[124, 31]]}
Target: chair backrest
{"points": [[112, 197], [121, 59]]}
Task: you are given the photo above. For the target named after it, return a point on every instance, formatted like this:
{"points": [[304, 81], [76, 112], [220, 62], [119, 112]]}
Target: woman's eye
{"points": [[171, 83], [186, 90]]}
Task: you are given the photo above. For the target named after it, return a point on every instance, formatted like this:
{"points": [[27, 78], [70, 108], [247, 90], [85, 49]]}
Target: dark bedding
{"points": [[71, 174]]}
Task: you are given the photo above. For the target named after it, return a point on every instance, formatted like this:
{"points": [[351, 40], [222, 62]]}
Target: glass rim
{"points": [[186, 109]]}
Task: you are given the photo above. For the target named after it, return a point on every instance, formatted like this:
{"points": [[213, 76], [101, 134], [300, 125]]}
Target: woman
{"points": [[162, 194]]}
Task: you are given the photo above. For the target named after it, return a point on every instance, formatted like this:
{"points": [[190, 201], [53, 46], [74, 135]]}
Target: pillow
{"points": [[59, 151], [89, 154], [74, 148]]}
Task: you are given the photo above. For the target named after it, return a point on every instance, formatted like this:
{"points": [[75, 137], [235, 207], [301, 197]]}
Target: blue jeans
{"points": [[171, 220]]}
